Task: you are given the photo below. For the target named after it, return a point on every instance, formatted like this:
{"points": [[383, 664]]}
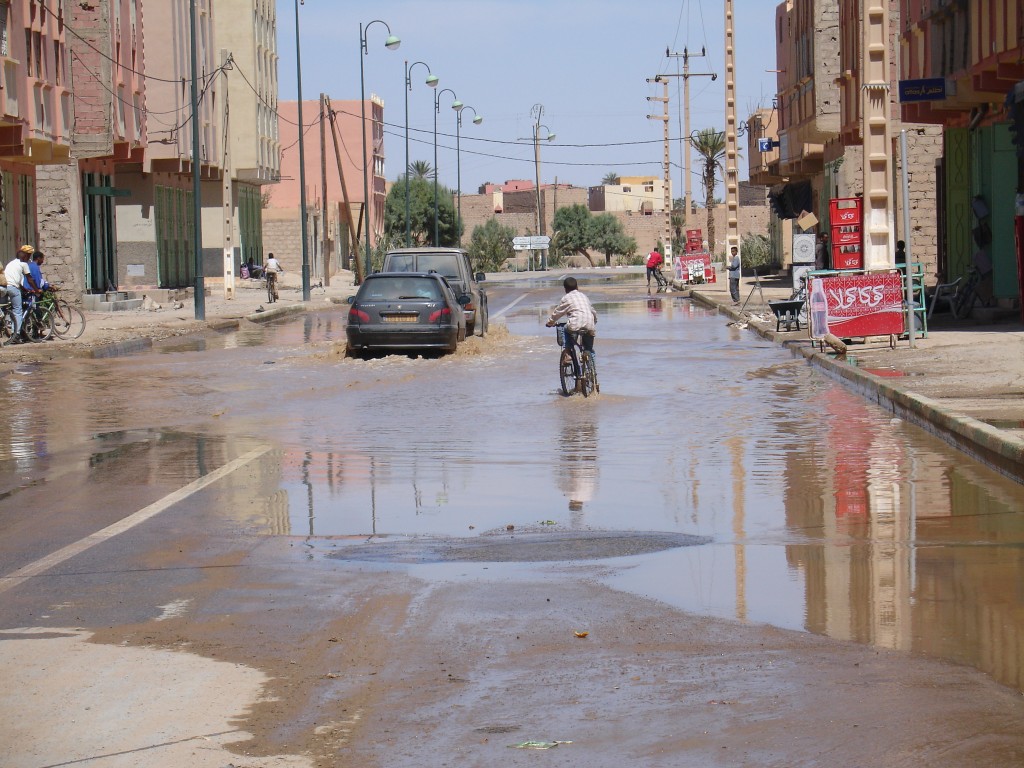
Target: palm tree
{"points": [[610, 178], [421, 169], [710, 145]]}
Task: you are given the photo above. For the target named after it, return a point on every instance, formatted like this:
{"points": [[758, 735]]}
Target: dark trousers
{"points": [[586, 341], [734, 288]]}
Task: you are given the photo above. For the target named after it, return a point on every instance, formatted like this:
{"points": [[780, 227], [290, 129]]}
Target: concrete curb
{"points": [[981, 441]]}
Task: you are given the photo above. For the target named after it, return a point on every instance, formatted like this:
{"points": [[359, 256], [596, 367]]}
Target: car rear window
{"points": [[446, 264], [403, 263], [396, 288]]}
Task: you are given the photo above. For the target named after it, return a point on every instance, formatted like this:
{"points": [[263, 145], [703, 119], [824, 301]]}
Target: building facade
{"points": [[35, 111]]}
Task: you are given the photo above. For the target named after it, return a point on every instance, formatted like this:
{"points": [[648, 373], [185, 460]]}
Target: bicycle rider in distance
{"points": [[581, 319], [272, 269]]}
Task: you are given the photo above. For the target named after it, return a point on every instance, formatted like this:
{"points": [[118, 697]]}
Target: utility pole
{"points": [[877, 143], [686, 56], [227, 196], [324, 234], [667, 195], [199, 297], [732, 190]]}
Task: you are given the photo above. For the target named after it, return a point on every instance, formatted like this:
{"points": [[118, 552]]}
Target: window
{"points": [[5, 9]]}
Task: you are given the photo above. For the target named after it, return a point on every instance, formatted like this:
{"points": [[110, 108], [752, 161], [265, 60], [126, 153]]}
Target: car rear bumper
{"points": [[390, 337]]}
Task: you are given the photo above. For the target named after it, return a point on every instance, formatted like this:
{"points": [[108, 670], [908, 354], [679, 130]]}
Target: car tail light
{"points": [[358, 315], [436, 315]]}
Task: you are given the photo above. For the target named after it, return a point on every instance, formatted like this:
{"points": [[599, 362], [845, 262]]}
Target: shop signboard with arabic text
{"points": [[869, 304]]}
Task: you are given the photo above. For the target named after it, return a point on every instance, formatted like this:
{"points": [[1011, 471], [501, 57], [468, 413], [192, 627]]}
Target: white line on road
{"points": [[505, 309], [46, 563]]}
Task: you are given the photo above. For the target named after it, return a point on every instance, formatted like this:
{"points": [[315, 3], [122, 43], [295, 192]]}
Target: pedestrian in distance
{"points": [[733, 265], [901, 252], [17, 273], [821, 251]]}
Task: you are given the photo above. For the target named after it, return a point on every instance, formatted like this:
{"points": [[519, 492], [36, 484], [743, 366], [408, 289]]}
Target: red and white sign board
{"points": [[865, 305], [690, 266]]}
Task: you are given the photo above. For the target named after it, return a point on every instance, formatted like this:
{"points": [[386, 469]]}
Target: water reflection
{"points": [[578, 469]]}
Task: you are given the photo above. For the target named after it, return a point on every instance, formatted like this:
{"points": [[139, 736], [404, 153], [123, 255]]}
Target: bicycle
{"points": [[35, 326], [582, 371], [67, 320], [272, 295], [659, 277]]}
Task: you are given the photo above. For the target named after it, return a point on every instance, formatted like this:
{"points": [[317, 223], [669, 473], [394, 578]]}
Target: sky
{"points": [[586, 62]]}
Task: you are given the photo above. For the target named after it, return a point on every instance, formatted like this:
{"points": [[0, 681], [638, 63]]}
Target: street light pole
{"points": [[391, 43], [477, 119], [432, 81], [197, 188], [437, 108], [302, 164]]}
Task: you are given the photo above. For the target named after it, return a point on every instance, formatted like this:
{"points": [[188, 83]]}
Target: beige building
{"points": [[639, 194]]}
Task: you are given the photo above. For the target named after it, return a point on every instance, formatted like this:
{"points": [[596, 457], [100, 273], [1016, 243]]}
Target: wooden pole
{"points": [[346, 208], [325, 247]]}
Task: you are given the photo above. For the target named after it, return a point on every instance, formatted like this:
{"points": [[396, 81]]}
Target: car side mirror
{"points": [[465, 299], [351, 299], [480, 277]]}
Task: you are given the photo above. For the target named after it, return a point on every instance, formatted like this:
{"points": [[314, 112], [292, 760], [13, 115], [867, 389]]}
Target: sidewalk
{"points": [[964, 383], [111, 333]]}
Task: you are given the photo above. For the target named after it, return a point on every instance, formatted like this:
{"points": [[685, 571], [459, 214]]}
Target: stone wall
{"points": [[924, 147], [59, 215]]}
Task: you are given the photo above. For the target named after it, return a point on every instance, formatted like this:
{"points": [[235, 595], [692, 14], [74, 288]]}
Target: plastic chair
{"points": [[945, 291]]}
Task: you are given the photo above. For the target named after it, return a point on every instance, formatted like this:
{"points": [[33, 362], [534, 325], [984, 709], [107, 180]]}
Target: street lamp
{"points": [[477, 119], [391, 44], [302, 164], [456, 105], [432, 81], [537, 111]]}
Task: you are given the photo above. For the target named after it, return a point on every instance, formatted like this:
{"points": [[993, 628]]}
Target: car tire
{"points": [[483, 322]]}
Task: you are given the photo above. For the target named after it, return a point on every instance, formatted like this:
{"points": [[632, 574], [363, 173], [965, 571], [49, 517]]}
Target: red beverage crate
{"points": [[694, 233], [844, 210], [846, 238], [846, 257], [694, 246]]}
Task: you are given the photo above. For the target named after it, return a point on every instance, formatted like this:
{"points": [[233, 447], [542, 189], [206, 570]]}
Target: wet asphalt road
{"points": [[713, 474]]}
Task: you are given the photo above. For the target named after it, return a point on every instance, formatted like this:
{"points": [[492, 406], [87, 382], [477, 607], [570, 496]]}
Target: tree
{"points": [[607, 235], [710, 145], [491, 245], [610, 178], [571, 229], [421, 169], [421, 213]]}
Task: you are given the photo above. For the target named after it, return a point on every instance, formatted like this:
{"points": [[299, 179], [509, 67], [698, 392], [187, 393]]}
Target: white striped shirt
{"points": [[579, 311]]}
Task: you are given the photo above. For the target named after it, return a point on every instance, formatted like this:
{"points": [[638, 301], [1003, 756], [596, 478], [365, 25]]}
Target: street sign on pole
{"points": [[539, 242], [521, 243]]}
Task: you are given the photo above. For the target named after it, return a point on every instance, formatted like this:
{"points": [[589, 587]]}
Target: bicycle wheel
{"points": [[38, 325], [586, 380], [566, 374], [270, 289], [68, 321], [591, 371], [6, 326]]}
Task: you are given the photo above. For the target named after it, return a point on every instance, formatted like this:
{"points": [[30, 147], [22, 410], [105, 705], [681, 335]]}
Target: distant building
{"points": [[639, 194]]}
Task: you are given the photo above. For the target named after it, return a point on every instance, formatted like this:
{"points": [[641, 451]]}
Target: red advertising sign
{"points": [[865, 305], [691, 266]]}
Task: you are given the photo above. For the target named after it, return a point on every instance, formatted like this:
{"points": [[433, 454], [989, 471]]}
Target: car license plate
{"points": [[405, 318]]}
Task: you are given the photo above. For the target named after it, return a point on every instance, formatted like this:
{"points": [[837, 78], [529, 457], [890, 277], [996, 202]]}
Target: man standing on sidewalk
{"points": [[733, 265], [16, 271]]}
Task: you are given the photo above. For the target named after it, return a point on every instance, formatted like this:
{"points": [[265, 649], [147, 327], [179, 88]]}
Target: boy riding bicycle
{"points": [[581, 319]]}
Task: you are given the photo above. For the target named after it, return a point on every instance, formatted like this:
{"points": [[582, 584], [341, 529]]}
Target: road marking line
{"points": [[56, 558], [503, 310]]}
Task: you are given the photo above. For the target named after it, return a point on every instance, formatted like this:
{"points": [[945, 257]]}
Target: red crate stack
{"points": [[845, 218], [694, 240]]}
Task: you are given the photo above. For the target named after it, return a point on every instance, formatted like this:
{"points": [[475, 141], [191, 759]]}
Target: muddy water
{"points": [[819, 512]]}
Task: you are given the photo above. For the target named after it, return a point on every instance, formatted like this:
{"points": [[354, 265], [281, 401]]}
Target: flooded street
{"points": [[714, 474]]}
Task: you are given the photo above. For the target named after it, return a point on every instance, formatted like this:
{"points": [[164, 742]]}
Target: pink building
{"points": [[281, 227], [35, 110]]}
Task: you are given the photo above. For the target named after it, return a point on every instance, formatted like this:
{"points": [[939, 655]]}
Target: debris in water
{"points": [[538, 744], [581, 634], [510, 527]]}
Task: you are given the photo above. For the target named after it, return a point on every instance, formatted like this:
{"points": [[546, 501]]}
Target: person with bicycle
{"points": [[17, 273], [581, 319], [654, 262], [272, 269]]}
